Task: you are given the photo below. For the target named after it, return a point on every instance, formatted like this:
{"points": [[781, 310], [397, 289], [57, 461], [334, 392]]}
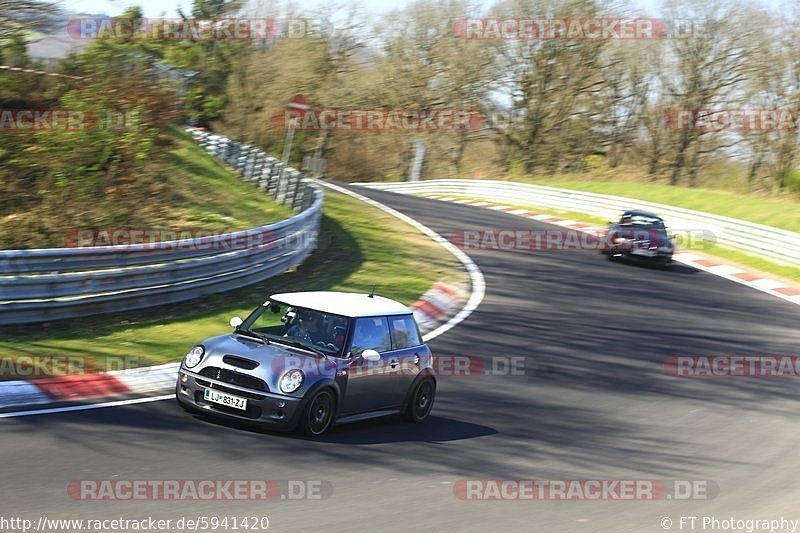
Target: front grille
{"points": [[252, 411], [234, 378], [241, 362], [235, 392]]}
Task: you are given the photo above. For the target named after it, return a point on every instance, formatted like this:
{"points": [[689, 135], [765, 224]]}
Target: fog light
{"points": [[281, 403], [184, 377]]}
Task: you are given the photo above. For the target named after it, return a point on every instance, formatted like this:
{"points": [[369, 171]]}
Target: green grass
{"points": [[213, 196], [781, 213], [572, 215], [359, 247]]}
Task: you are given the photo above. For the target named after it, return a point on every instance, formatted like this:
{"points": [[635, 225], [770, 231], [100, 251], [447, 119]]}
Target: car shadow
{"points": [[674, 268], [393, 429], [381, 430]]}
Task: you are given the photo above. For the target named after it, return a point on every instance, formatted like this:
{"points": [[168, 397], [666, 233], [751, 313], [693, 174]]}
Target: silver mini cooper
{"points": [[308, 360]]}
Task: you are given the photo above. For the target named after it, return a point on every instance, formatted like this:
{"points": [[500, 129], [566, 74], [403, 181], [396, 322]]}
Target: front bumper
{"points": [[267, 408]]}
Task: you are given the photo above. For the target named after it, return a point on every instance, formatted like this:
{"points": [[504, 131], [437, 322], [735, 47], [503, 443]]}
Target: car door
{"points": [[371, 385], [408, 350]]}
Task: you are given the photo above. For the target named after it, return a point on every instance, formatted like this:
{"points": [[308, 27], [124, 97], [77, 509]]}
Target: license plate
{"points": [[226, 399], [641, 251]]}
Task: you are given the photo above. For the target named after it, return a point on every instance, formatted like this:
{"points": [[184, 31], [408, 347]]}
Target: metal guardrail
{"points": [[55, 283], [778, 245]]}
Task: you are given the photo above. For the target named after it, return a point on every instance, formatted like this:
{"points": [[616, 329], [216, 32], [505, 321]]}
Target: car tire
{"points": [[318, 414], [421, 401]]}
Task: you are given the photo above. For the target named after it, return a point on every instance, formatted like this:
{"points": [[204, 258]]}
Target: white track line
{"points": [[477, 281], [87, 406]]}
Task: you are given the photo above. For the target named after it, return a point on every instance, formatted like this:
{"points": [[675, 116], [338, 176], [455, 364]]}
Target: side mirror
{"points": [[371, 356], [236, 322]]}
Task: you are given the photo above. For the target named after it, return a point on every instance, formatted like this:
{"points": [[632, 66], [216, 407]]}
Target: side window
{"points": [[405, 333], [371, 334]]}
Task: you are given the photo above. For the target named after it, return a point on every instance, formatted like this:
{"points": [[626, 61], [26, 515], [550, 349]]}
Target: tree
{"points": [[554, 84], [426, 66], [704, 71]]}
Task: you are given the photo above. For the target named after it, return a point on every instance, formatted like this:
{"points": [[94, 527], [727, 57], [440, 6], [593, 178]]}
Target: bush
{"points": [[792, 181]]}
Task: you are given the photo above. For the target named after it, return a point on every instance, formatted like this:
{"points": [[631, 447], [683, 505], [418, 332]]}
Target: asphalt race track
{"points": [[593, 402]]}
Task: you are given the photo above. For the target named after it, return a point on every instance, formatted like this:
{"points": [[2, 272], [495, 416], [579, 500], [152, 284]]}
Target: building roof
{"points": [[343, 303]]}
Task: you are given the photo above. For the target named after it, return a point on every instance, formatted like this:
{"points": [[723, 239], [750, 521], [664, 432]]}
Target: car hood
{"points": [[272, 358]]}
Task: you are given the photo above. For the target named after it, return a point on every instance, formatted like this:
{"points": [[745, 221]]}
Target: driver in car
{"points": [[309, 328]]}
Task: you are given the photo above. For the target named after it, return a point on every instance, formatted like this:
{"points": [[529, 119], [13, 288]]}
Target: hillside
{"points": [[182, 189]]}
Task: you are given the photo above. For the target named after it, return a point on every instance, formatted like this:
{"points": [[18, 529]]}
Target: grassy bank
{"points": [[360, 247], [187, 189]]}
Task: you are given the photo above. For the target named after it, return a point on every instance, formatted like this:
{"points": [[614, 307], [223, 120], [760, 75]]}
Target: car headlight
{"points": [[194, 356], [291, 380]]}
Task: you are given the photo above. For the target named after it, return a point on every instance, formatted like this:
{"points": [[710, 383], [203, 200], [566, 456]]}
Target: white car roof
{"points": [[348, 304]]}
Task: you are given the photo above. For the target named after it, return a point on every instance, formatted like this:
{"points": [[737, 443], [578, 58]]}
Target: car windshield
{"points": [[299, 326], [643, 221]]}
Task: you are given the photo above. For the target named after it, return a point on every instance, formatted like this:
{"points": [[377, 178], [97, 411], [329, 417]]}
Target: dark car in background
{"points": [[639, 235], [307, 360]]}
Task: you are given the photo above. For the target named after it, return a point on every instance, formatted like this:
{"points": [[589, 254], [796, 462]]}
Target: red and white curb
{"points": [[437, 305], [711, 265], [77, 387], [432, 309]]}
